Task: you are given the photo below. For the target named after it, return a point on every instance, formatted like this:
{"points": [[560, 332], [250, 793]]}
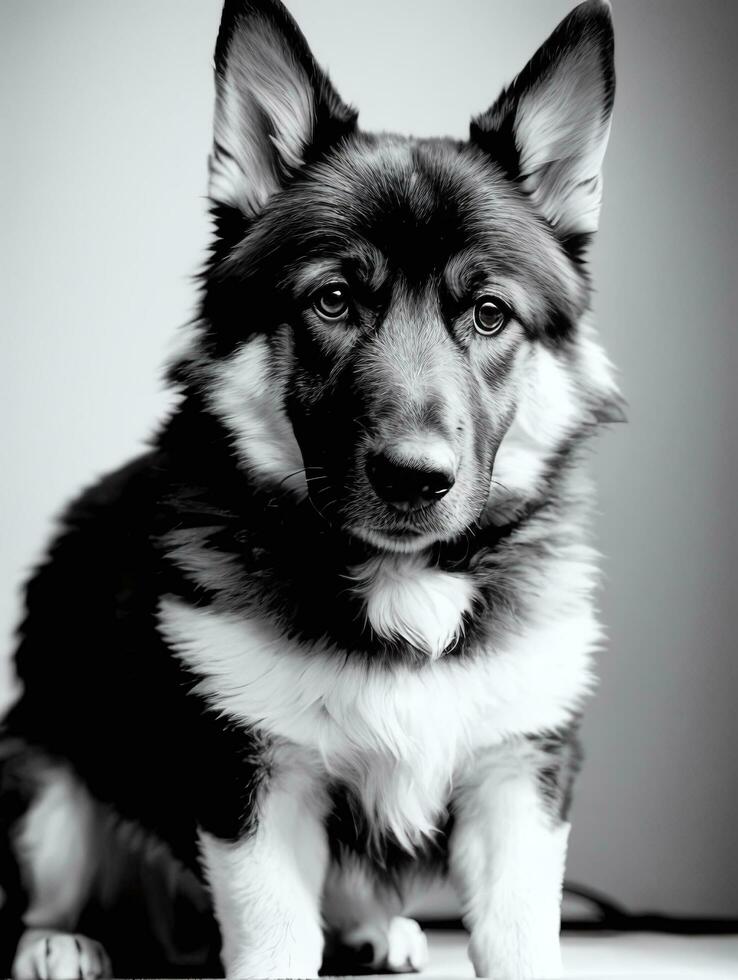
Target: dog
{"points": [[332, 633]]}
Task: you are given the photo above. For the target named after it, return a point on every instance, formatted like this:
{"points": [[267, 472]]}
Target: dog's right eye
{"points": [[332, 301], [490, 315]]}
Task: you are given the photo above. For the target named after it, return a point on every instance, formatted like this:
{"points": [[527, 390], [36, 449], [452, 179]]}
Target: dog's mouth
{"points": [[402, 540]]}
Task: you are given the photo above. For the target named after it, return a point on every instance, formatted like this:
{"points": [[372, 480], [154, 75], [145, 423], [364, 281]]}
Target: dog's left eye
{"points": [[490, 315], [332, 301]]}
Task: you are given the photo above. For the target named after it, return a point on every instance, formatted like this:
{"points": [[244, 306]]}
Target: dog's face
{"points": [[394, 326]]}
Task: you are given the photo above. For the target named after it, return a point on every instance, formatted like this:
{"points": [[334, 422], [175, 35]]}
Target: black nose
{"points": [[406, 487]]}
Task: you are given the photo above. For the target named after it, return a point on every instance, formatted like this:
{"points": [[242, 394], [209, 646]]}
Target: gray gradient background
{"points": [[106, 111]]}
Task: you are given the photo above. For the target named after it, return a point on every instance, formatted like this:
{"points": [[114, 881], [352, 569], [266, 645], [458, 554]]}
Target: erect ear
{"points": [[273, 105], [549, 129]]}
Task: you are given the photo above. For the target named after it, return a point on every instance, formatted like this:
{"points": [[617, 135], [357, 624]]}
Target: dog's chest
{"points": [[396, 737]]}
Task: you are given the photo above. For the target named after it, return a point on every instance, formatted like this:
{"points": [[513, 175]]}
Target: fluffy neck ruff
{"points": [[406, 599]]}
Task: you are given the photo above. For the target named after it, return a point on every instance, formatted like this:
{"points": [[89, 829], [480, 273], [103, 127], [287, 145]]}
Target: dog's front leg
{"points": [[266, 886], [507, 855]]}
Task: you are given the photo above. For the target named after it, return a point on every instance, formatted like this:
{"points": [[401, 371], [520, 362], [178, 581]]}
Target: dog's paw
{"points": [[45, 954], [397, 946]]}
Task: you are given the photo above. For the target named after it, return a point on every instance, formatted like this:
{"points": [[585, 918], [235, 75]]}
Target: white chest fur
{"points": [[397, 736], [406, 599]]}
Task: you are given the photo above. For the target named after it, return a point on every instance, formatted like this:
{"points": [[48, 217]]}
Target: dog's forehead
{"points": [[417, 202], [421, 183]]}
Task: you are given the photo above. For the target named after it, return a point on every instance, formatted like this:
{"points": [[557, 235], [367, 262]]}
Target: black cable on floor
{"points": [[612, 917]]}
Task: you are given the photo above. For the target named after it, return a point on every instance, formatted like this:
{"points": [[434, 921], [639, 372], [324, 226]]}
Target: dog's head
{"points": [[397, 327]]}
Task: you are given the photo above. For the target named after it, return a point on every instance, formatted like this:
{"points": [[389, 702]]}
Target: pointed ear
{"points": [[549, 129], [274, 107]]}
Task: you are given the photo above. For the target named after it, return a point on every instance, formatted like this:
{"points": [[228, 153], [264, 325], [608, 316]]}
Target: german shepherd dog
{"points": [[333, 632]]}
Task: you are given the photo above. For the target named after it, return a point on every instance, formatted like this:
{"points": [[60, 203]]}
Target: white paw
{"points": [[397, 946], [45, 954]]}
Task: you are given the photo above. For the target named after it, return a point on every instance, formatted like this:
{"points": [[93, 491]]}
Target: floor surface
{"points": [[637, 956]]}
